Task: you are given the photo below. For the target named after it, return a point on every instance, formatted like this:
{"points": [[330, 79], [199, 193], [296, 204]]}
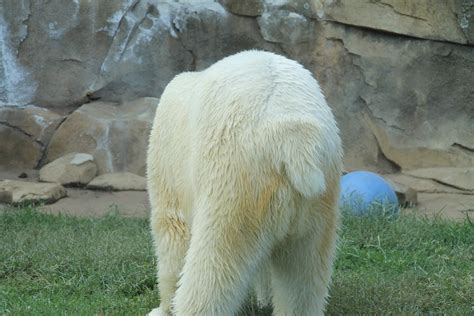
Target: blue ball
{"points": [[365, 193]]}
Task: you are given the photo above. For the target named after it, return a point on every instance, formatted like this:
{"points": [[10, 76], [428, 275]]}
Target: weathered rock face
{"points": [[117, 50], [396, 90], [12, 191], [398, 74], [24, 134], [17, 149], [439, 20], [47, 43], [115, 134]]}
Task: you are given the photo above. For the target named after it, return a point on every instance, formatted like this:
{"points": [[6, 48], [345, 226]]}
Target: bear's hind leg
{"points": [[226, 250], [263, 286], [301, 273], [171, 237]]}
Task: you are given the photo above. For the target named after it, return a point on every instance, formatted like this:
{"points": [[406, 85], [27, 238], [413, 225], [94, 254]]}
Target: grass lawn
{"points": [[57, 265]]}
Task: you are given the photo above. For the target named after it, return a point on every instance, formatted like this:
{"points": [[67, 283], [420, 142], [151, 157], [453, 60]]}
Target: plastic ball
{"points": [[367, 193]]}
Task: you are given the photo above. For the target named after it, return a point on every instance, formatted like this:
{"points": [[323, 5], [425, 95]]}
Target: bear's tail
{"points": [[302, 155], [305, 176]]}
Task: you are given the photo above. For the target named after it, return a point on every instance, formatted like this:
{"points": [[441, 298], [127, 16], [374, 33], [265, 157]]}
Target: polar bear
{"points": [[243, 172]]}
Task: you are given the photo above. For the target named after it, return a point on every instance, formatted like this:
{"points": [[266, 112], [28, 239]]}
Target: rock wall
{"points": [[398, 74]]}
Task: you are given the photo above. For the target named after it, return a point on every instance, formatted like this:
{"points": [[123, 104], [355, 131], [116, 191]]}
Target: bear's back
{"points": [[216, 123]]}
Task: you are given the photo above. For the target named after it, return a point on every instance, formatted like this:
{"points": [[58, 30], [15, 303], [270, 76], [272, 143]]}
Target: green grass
{"points": [[58, 265]]}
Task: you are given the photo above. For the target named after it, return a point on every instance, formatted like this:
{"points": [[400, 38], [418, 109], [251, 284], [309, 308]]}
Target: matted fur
{"points": [[244, 163]]}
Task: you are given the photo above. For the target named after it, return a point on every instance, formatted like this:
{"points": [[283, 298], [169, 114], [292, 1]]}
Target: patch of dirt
{"points": [[87, 203]]}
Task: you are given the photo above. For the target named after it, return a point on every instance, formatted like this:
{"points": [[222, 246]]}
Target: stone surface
{"points": [[460, 178], [208, 33], [421, 185], [71, 169], [17, 149], [71, 38], [39, 123], [121, 181], [115, 134], [439, 20], [391, 116], [244, 7], [21, 192], [453, 206], [115, 50], [24, 133], [281, 26], [86, 203]]}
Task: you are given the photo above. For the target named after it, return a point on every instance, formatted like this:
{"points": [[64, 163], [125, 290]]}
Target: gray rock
{"points": [[71, 169], [439, 20], [281, 26], [114, 50], [39, 123], [115, 134], [459, 178], [391, 116], [55, 49], [120, 181], [244, 7], [21, 192], [421, 185], [24, 133], [18, 149]]}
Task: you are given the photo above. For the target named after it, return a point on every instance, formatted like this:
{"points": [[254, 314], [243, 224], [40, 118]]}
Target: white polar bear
{"points": [[244, 163]]}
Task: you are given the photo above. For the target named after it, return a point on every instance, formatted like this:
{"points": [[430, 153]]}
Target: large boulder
{"points": [[12, 191], [448, 20], [115, 134], [244, 7], [54, 49], [17, 149], [71, 169], [24, 134], [282, 26]]}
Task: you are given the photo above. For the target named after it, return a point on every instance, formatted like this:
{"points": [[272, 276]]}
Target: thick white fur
{"points": [[243, 176]]}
